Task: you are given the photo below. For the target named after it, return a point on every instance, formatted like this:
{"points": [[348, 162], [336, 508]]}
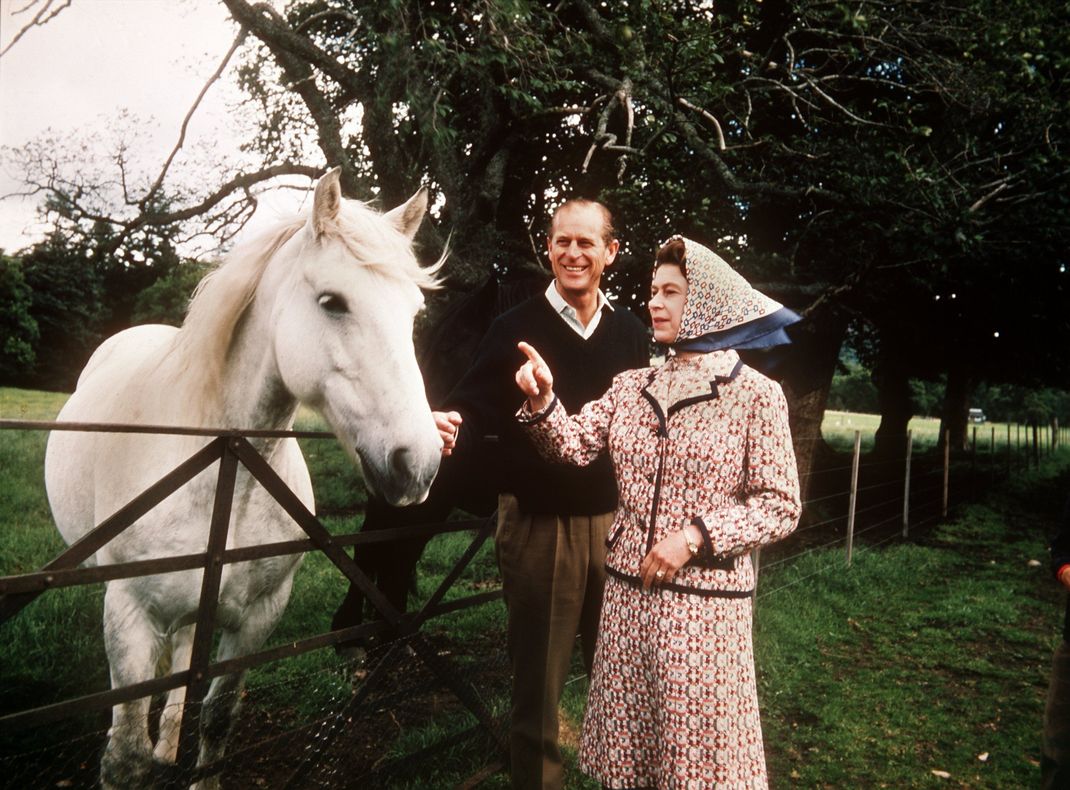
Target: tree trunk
{"points": [[806, 384], [892, 377], [956, 407]]}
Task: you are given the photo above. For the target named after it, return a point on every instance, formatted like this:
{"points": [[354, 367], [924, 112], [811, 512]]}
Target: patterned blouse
{"points": [[703, 440]]}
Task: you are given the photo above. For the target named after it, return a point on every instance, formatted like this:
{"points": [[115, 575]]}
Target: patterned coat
{"points": [[705, 440]]}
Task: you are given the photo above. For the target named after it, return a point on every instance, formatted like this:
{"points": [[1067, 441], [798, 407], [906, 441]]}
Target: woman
{"points": [[706, 472]]}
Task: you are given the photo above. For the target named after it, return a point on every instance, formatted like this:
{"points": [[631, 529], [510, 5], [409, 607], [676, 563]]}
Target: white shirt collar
{"points": [[568, 312]]}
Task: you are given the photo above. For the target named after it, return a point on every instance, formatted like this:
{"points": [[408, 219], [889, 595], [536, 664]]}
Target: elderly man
{"points": [[552, 519]]}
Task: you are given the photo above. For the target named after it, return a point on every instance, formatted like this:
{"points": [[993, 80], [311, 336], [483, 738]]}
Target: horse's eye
{"points": [[333, 303]]}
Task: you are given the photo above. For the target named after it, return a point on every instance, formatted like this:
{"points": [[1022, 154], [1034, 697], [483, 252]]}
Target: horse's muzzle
{"points": [[405, 478]]}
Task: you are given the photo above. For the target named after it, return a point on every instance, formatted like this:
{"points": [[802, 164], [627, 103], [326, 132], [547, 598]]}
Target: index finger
{"points": [[531, 353]]}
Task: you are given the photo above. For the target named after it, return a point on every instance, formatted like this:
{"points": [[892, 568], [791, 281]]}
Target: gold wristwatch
{"points": [[691, 545]]}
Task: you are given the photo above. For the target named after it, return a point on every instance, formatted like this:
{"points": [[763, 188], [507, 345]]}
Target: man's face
{"points": [[578, 253]]}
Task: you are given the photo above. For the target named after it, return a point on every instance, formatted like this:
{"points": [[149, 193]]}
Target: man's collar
{"points": [[557, 301]]}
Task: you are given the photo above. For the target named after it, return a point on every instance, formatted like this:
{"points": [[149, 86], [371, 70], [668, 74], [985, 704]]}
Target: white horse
{"points": [[318, 312]]}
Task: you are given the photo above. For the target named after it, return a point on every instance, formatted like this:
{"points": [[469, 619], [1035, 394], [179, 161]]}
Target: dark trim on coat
{"points": [[532, 418], [706, 558], [663, 438], [680, 588]]}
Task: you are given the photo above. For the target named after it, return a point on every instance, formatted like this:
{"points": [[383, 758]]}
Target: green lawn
{"points": [[838, 427]]}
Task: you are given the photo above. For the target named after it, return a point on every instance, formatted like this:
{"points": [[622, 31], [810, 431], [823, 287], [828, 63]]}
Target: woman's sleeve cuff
{"points": [[706, 552], [527, 417]]}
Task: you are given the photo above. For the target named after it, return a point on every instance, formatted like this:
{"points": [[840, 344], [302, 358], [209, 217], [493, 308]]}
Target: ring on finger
{"points": [[660, 574]]}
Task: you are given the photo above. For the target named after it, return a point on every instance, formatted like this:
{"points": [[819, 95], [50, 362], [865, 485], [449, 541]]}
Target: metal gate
{"points": [[231, 449]]}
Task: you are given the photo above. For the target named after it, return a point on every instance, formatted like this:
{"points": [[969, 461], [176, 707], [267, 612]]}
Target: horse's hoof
{"points": [[126, 770]]}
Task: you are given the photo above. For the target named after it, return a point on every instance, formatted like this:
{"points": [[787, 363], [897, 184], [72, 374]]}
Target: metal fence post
{"points": [[1008, 449], [854, 497], [906, 484]]}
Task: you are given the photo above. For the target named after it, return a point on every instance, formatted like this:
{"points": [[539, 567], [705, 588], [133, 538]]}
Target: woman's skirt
{"points": [[673, 702]]}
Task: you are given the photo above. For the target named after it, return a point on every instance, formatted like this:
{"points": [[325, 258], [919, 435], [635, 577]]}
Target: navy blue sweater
{"points": [[487, 398]]}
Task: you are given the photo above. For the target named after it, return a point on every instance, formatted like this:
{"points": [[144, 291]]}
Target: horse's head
{"points": [[347, 291]]}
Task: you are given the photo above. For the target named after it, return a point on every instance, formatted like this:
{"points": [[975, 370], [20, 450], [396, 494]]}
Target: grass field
{"points": [[922, 665], [838, 429]]}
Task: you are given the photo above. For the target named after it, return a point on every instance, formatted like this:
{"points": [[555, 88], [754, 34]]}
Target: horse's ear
{"points": [[408, 216], [326, 201]]}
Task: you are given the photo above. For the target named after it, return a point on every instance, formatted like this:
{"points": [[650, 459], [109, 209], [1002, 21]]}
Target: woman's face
{"points": [[668, 295]]}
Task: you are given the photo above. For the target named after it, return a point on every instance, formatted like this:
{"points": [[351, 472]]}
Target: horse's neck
{"points": [[253, 394]]}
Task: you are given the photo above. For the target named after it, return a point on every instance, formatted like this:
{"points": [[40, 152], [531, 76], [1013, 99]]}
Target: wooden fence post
{"points": [[906, 484], [854, 497], [947, 466]]}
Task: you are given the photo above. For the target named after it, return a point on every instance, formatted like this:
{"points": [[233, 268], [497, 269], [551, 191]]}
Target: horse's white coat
{"points": [[319, 312]]}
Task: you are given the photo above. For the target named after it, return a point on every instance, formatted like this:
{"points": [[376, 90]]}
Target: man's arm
{"points": [[484, 396]]}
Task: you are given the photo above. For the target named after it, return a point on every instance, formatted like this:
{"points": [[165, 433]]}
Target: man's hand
{"points": [[449, 425], [535, 379]]}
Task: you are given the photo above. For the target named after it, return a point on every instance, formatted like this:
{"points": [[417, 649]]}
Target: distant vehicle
{"points": [[976, 415]]}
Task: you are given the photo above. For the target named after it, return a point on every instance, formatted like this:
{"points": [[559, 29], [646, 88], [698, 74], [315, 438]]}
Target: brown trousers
{"points": [[553, 573], [1055, 760]]}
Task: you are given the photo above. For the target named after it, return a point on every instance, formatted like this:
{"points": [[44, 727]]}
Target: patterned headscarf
{"points": [[723, 311]]}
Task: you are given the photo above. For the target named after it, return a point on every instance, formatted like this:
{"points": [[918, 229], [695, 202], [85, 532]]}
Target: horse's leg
{"points": [[368, 558], [220, 711], [218, 716], [397, 569], [133, 646], [391, 565], [171, 719]]}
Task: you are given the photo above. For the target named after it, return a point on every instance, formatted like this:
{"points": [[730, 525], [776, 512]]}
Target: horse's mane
{"points": [[365, 238], [198, 357]]}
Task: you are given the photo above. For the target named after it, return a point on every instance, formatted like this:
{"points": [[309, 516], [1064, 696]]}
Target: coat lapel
{"points": [[691, 381]]}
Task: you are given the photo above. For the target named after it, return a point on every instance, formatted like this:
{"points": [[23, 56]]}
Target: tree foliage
{"points": [[898, 164], [166, 300], [67, 307], [18, 329], [62, 296]]}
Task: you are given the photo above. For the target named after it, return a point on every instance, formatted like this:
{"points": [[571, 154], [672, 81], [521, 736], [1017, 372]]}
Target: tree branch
{"points": [[709, 117], [42, 18], [189, 115], [270, 27], [160, 219]]}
